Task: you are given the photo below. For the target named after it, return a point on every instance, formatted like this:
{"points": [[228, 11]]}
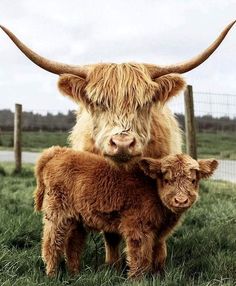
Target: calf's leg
{"points": [[53, 244], [139, 247], [159, 256], [74, 245], [112, 242]]}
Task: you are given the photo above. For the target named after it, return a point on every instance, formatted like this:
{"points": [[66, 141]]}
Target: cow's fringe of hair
{"points": [[125, 86]]}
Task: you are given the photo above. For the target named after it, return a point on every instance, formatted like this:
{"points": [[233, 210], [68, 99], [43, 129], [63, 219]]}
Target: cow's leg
{"points": [[112, 242], [139, 247], [53, 244], [159, 256], [74, 245]]}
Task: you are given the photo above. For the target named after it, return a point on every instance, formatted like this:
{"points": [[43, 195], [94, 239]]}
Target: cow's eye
{"points": [[99, 106], [194, 181], [166, 181]]}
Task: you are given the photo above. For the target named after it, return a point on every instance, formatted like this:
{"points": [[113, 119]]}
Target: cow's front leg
{"points": [[112, 242], [159, 256]]}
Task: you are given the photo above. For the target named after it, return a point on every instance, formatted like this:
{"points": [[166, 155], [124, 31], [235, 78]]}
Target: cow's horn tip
{"points": [[2, 27], [232, 23]]}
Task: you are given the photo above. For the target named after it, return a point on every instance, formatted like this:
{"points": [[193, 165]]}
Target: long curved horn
{"points": [[48, 65], [186, 66]]}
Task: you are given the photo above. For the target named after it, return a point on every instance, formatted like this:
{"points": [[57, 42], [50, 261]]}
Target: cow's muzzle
{"points": [[122, 148]]}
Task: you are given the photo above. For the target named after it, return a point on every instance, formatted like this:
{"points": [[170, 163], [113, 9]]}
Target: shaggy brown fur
{"points": [[118, 98], [78, 191], [123, 99]]}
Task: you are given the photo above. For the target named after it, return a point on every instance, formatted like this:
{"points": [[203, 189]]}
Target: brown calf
{"points": [[78, 191]]}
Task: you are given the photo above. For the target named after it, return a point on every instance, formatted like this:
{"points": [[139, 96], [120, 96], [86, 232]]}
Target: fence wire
{"points": [[215, 116]]}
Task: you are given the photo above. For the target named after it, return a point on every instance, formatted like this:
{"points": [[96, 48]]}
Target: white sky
{"points": [[81, 32]]}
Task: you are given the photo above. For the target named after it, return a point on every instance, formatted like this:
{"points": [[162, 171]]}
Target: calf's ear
{"points": [[168, 86], [151, 167], [72, 86], [207, 167]]}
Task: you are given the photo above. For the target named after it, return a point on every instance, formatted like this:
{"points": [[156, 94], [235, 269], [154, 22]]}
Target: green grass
{"points": [[202, 251], [218, 145], [34, 141]]}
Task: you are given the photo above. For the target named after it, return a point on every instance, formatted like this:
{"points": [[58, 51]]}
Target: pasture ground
{"points": [[201, 252], [220, 145]]}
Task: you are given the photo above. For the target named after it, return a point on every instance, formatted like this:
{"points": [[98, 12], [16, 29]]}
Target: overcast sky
{"points": [[81, 32]]}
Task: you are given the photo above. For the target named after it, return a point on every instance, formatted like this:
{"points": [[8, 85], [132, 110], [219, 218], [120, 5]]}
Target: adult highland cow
{"points": [[122, 110]]}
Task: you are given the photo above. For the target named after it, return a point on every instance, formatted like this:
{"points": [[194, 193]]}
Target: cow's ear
{"points": [[207, 167], [168, 86], [151, 167], [72, 86]]}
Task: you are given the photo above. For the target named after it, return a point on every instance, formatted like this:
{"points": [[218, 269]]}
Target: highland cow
{"points": [[79, 191], [122, 109]]}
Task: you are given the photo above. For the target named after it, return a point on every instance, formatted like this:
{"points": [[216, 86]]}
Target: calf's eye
{"points": [[193, 181], [166, 181]]}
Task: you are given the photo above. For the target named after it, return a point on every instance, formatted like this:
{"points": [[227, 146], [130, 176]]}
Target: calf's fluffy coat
{"points": [[78, 191]]}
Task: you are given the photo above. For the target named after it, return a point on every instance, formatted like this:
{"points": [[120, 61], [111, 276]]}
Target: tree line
{"points": [[209, 123], [64, 122], [38, 122]]}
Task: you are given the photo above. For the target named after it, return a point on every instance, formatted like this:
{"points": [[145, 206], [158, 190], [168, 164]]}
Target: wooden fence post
{"points": [[17, 137], [190, 127]]}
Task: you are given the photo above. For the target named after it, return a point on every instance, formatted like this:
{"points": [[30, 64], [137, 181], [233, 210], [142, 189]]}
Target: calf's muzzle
{"points": [[181, 202]]}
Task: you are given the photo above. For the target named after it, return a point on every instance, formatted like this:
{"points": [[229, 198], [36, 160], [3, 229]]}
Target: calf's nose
{"points": [[181, 201]]}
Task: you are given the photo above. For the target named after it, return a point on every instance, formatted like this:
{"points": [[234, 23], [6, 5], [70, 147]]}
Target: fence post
{"points": [[17, 137], [190, 128]]}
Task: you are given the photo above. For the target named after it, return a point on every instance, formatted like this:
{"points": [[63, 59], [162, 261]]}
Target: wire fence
{"points": [[206, 103], [215, 116]]}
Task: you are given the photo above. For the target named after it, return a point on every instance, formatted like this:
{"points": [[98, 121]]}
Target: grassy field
{"points": [[34, 141], [218, 145], [201, 252]]}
